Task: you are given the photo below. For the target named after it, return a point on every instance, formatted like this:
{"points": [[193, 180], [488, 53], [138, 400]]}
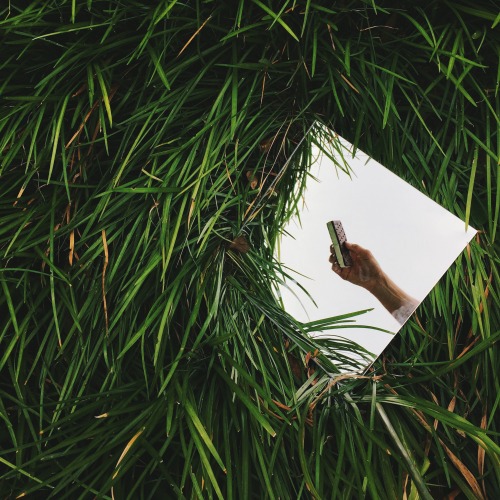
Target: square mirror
{"points": [[399, 243]]}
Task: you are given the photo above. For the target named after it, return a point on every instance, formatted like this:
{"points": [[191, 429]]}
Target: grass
{"points": [[146, 172]]}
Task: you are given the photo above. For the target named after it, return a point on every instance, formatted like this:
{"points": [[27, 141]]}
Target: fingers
{"points": [[336, 268], [342, 272], [339, 271], [333, 260]]}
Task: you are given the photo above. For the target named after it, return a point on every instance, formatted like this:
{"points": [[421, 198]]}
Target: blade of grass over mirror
{"points": [[151, 153]]}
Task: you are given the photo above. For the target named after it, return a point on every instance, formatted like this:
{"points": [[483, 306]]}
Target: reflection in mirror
{"points": [[364, 240]]}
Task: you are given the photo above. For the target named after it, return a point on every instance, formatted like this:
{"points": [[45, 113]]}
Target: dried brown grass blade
{"points": [[466, 473], [194, 36], [105, 265]]}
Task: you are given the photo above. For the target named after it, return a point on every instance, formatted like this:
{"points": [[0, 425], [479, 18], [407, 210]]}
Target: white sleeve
{"points": [[404, 312]]}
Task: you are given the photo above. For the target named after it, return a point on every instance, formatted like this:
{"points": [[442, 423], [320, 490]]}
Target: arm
{"points": [[367, 273]]}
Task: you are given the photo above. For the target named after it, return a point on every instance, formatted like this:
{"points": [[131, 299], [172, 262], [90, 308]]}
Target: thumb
{"points": [[352, 246]]}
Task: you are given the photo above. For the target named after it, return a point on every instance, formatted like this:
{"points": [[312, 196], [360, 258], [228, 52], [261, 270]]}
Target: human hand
{"points": [[365, 271]]}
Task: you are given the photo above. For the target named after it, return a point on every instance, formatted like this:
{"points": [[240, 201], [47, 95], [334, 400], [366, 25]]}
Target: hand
{"points": [[365, 271]]}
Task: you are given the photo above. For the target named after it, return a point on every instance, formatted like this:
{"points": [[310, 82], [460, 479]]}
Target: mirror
{"points": [[404, 242]]}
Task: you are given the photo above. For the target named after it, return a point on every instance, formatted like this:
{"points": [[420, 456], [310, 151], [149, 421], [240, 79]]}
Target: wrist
{"points": [[387, 292], [377, 285]]}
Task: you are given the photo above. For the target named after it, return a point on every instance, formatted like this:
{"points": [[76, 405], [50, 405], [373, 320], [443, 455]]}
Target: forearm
{"points": [[391, 296], [367, 273]]}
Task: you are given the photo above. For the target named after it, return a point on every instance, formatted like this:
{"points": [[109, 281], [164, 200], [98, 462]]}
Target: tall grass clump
{"points": [[150, 155]]}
